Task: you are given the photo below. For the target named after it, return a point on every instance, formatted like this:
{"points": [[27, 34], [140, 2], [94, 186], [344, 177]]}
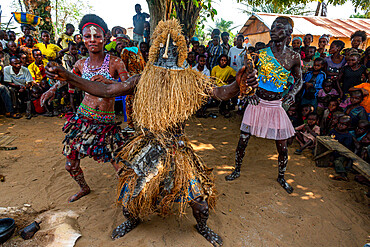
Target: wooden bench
{"points": [[325, 145]]}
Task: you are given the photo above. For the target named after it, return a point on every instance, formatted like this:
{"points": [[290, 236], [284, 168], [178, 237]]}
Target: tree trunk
{"points": [[158, 10], [318, 8], [187, 13], [41, 8], [324, 9]]}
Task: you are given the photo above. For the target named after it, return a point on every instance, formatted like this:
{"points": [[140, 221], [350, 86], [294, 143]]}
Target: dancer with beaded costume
{"points": [[265, 117], [158, 166], [92, 131]]}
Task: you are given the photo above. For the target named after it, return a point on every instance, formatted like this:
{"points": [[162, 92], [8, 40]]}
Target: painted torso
{"points": [[92, 106]]}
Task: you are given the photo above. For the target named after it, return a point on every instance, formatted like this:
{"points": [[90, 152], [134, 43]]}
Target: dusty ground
{"points": [[251, 211]]}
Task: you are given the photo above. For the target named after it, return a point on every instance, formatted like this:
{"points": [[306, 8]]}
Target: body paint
{"points": [[93, 31]]}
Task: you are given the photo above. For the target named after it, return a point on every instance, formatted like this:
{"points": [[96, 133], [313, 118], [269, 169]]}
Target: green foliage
{"points": [[299, 9], [223, 25], [359, 4], [363, 16], [191, 13], [68, 11]]}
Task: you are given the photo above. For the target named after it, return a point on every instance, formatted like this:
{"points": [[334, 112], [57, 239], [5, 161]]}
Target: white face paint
{"points": [[93, 31]]}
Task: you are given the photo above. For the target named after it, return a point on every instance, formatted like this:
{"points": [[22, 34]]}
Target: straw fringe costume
{"points": [[159, 166], [159, 171]]}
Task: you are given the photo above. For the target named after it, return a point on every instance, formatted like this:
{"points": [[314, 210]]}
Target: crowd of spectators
{"points": [[334, 99]]}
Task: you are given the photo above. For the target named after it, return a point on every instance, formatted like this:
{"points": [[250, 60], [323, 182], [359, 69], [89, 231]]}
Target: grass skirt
{"points": [[157, 172], [89, 137]]}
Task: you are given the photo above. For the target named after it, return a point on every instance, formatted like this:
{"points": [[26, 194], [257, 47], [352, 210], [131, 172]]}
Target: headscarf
{"points": [[297, 38]]}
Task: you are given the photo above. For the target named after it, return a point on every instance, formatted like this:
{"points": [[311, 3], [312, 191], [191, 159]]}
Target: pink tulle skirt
{"points": [[268, 120]]}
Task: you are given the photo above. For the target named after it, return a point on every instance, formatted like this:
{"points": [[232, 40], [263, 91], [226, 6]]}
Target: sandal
{"points": [[298, 151], [13, 115]]}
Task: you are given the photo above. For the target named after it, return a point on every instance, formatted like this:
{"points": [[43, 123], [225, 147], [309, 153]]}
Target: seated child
{"points": [[365, 147], [306, 109], [308, 61], [296, 46], [293, 115], [365, 87], [191, 59], [36, 93], [355, 110], [69, 60], [144, 49], [306, 133], [326, 121], [201, 51], [342, 135], [82, 50], [313, 81], [66, 37], [335, 119], [359, 133], [325, 95]]}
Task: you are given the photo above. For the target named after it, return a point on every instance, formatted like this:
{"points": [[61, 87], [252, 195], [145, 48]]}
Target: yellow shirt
{"points": [[50, 51], [38, 73], [223, 74], [65, 40]]}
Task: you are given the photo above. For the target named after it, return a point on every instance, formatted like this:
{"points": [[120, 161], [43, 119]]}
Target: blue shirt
{"points": [[318, 81], [345, 139]]}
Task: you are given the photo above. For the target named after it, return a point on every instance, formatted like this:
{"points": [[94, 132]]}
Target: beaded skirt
{"points": [[86, 136]]}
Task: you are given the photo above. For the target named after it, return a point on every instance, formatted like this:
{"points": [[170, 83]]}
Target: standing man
{"points": [[236, 54], [214, 52], [225, 43], [139, 20], [265, 116]]}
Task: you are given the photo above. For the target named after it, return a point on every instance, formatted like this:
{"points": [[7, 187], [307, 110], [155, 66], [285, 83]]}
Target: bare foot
{"points": [[210, 235], [78, 195], [285, 185], [234, 175], [124, 228]]}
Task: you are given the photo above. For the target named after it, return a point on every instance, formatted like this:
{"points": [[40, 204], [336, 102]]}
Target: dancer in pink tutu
{"points": [[265, 116]]}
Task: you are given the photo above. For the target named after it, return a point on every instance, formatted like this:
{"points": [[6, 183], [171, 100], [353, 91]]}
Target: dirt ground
{"points": [[251, 211]]}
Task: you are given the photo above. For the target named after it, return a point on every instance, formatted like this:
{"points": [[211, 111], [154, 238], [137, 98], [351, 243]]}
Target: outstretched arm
{"points": [[229, 91], [97, 87]]}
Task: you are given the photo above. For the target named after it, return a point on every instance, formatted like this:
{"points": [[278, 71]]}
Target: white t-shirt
{"points": [[3, 43], [236, 59], [22, 78], [205, 71]]}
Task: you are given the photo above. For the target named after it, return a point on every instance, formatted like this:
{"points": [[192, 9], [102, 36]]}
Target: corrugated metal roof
{"points": [[315, 25]]}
